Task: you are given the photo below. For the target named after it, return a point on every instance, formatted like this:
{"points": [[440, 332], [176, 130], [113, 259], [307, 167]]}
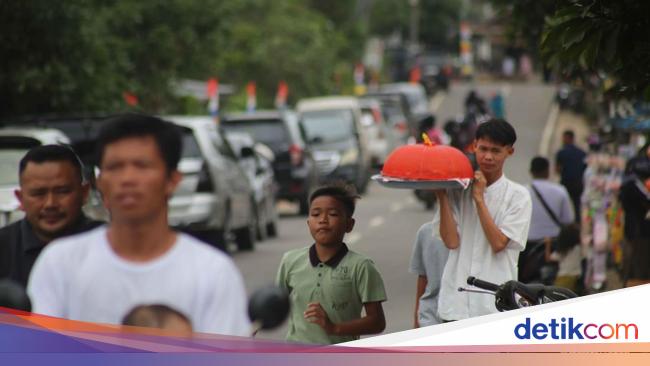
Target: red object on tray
{"points": [[427, 162]]}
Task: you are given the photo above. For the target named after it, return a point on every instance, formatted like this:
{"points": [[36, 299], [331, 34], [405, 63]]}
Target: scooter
{"points": [[513, 295]]}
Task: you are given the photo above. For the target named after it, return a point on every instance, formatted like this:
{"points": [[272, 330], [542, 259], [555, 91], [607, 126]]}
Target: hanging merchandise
{"points": [[601, 217]]}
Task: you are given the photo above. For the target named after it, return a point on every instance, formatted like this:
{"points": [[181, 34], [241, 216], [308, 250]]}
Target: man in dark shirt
{"points": [[51, 194], [570, 164]]}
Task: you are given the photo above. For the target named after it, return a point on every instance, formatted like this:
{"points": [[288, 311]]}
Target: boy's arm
{"points": [[421, 286], [374, 321], [448, 225], [498, 241]]}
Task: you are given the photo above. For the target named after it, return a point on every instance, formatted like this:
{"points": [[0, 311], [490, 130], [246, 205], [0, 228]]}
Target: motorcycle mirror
{"points": [[268, 307], [14, 296]]}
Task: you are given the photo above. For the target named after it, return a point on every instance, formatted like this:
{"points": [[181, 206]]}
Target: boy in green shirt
{"points": [[329, 284]]}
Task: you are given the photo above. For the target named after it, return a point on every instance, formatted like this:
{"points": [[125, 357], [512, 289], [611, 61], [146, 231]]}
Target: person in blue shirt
{"points": [[570, 164]]}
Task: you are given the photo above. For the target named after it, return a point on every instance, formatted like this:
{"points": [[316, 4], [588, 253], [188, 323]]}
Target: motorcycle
{"points": [[513, 294]]}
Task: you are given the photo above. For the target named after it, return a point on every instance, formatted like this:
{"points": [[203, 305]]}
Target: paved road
{"points": [[387, 219]]}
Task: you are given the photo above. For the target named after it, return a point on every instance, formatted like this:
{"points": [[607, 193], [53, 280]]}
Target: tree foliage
{"points": [[526, 19], [80, 56], [602, 36]]}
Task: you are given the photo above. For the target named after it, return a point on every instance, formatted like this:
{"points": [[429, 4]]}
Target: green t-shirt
{"points": [[341, 286]]}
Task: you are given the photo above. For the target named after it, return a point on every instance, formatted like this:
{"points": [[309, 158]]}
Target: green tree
{"points": [[526, 20], [54, 58], [600, 35]]}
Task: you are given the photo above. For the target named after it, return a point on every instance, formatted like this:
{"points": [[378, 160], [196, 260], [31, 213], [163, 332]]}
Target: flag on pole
{"points": [[251, 100], [213, 97], [359, 79], [130, 98], [281, 95]]}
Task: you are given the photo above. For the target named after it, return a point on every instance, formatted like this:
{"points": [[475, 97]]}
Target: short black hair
{"points": [[340, 191], [569, 133], [497, 130], [166, 134], [47, 153], [152, 316], [539, 165]]}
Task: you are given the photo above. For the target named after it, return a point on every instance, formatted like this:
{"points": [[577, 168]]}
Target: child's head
{"points": [[159, 316], [493, 144], [330, 213]]}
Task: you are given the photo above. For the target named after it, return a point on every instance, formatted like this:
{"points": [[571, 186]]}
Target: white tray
{"points": [[419, 184]]}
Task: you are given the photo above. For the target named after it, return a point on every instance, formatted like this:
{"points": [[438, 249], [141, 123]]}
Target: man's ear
{"points": [[350, 226], [85, 190], [175, 178], [19, 196], [511, 150]]}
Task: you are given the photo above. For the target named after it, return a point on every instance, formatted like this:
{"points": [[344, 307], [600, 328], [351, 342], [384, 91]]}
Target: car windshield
{"points": [[393, 111], [269, 132], [328, 125], [9, 160], [190, 146]]}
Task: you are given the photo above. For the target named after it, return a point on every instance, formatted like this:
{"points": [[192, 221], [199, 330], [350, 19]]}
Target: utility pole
{"points": [[413, 26]]}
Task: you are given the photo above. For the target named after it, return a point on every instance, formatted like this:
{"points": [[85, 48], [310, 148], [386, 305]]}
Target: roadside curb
{"points": [[549, 129]]}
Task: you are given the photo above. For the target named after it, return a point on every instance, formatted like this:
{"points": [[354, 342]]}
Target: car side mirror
{"points": [[247, 152], [316, 140]]}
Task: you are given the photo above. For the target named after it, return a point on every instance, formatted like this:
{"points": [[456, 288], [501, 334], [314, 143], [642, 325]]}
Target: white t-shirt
{"points": [[81, 278], [509, 205]]}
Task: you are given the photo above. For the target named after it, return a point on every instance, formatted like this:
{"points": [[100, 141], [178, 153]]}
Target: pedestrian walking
{"points": [[570, 164], [552, 208], [328, 284], [484, 227], [427, 262]]}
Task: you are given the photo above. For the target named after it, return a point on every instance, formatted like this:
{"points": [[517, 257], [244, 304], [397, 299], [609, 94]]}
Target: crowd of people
{"points": [[136, 270]]}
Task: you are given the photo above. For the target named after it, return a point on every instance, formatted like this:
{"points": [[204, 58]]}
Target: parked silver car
{"points": [[215, 196], [338, 139], [256, 159]]}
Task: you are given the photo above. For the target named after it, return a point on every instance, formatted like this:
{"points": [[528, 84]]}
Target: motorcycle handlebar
{"points": [[473, 281]]}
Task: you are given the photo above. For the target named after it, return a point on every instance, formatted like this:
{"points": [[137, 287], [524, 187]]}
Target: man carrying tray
{"points": [[485, 226]]}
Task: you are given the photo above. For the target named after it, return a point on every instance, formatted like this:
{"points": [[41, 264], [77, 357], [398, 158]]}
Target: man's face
{"points": [[328, 221], [51, 194], [134, 181], [490, 156]]}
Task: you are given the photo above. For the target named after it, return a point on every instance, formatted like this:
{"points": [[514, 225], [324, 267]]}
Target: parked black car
{"points": [[294, 166]]}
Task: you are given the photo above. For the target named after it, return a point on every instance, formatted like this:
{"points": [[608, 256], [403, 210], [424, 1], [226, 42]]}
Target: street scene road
{"points": [[387, 219]]}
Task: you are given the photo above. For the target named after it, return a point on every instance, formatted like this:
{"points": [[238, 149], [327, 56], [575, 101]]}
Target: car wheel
{"points": [[272, 229], [363, 186], [218, 240], [262, 233], [304, 206], [245, 237]]}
